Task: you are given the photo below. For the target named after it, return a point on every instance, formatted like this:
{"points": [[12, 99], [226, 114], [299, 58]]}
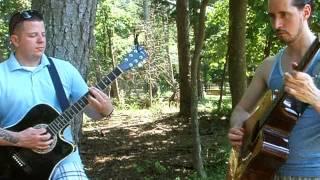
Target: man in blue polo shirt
{"points": [[25, 82]]}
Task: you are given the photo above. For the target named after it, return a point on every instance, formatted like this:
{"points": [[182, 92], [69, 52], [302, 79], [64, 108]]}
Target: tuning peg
{"points": [[140, 65], [135, 60], [126, 59], [130, 64]]}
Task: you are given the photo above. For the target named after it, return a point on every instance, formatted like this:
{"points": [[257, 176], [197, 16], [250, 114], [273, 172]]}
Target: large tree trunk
{"points": [[184, 56], [237, 58], [69, 32], [146, 17], [199, 38]]}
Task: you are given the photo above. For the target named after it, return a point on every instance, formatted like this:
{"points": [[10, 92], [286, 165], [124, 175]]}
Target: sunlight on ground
{"points": [[139, 116]]}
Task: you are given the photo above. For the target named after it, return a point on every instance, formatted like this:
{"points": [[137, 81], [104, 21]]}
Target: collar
{"points": [[13, 63]]}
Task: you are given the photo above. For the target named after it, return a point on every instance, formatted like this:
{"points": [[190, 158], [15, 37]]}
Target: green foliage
{"points": [[217, 26], [259, 34], [315, 25], [7, 8], [150, 167], [119, 18]]}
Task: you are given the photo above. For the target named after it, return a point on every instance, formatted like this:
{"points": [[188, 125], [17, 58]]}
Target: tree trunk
{"points": [[199, 38], [237, 58], [96, 64], [200, 84], [221, 86], [182, 20], [146, 10], [166, 30], [146, 15], [69, 32], [114, 86]]}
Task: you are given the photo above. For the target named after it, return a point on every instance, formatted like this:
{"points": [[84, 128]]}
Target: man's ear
{"points": [[14, 39], [307, 11]]}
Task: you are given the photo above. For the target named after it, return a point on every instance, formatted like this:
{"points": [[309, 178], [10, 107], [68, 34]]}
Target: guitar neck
{"points": [[302, 66], [65, 118]]}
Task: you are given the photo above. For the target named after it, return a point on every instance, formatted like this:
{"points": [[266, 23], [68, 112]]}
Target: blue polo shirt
{"points": [[21, 89]]}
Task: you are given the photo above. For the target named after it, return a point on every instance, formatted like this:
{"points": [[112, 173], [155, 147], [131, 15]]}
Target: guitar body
{"points": [[21, 163], [265, 150]]}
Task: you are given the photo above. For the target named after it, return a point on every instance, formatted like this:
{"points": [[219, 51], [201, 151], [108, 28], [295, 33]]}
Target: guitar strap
{"points": [[64, 103]]}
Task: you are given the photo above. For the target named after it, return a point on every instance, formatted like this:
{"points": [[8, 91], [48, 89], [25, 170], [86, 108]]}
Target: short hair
{"points": [[301, 3], [19, 17]]}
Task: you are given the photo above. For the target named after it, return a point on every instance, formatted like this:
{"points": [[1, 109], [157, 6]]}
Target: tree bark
{"points": [[114, 86], [236, 57], [182, 20], [166, 30], [69, 32], [199, 39]]}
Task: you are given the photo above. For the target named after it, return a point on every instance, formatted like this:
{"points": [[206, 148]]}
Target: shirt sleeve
{"points": [[78, 86]]}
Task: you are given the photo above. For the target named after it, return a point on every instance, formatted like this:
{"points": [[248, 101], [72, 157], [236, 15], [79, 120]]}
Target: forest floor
{"points": [[149, 144]]}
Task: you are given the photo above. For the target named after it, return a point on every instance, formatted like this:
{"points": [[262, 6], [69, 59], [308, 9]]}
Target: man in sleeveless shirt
{"points": [[289, 19]]}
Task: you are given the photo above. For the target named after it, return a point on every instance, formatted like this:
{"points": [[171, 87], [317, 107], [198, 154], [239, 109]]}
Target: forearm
{"points": [[8, 138], [238, 116], [92, 113]]}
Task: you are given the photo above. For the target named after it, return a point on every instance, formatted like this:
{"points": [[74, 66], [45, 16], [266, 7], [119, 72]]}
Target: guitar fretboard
{"points": [[65, 118]]}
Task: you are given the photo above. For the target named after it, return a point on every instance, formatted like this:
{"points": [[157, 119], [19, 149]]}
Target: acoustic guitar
{"points": [[265, 143], [21, 163]]}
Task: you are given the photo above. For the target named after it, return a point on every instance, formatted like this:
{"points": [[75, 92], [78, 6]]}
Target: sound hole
{"points": [[52, 145]]}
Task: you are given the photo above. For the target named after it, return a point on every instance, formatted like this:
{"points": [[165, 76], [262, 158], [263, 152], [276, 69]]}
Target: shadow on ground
{"points": [[145, 145]]}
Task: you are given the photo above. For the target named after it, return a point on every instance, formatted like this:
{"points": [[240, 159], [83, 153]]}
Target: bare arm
{"points": [[29, 138], [7, 137], [252, 95], [248, 103]]}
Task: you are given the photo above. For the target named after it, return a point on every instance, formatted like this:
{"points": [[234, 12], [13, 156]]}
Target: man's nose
{"points": [[41, 38], [278, 24]]}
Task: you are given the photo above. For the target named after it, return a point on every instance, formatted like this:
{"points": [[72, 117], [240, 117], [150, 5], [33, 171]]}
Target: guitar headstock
{"points": [[135, 57]]}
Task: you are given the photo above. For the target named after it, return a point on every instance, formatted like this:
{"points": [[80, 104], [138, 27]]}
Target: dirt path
{"points": [[143, 145]]}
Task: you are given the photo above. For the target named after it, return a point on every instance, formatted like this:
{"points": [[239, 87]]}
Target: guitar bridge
{"points": [[21, 163]]}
